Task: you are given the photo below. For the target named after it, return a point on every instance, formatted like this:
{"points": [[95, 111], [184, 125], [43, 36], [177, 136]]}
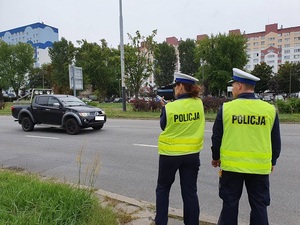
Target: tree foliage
{"points": [[62, 55], [220, 54], [188, 64], [138, 60], [164, 64], [41, 77], [288, 77], [15, 62], [101, 67], [265, 73]]}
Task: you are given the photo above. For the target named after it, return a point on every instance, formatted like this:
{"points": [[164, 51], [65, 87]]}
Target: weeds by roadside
{"points": [[25, 199]]}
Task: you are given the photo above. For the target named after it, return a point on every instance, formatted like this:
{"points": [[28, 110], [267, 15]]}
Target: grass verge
{"points": [[25, 199], [115, 110]]}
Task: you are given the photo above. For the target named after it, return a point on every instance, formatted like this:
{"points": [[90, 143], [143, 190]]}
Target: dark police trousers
{"points": [[230, 191], [188, 166]]}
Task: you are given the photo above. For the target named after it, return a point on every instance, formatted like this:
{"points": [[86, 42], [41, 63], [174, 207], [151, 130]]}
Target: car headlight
{"points": [[84, 114]]}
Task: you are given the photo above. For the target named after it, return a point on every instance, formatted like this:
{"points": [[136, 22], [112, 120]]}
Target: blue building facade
{"points": [[39, 35]]}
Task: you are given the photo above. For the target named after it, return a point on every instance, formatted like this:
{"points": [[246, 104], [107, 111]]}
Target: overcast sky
{"points": [[99, 19]]}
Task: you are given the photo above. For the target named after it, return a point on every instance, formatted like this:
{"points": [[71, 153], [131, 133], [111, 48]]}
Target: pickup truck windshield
{"points": [[71, 101]]}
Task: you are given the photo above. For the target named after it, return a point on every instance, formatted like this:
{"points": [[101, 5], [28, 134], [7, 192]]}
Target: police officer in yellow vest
{"points": [[245, 144], [179, 144]]}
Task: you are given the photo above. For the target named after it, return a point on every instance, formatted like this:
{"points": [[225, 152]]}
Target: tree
{"points": [[221, 53], [101, 67], [164, 64], [15, 63], [188, 64], [41, 77], [288, 77], [138, 61], [265, 73], [62, 55]]}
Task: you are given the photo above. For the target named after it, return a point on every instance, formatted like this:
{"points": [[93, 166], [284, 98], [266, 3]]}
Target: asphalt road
{"points": [[129, 162]]}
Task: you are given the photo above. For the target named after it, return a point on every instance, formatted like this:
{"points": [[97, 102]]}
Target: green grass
{"points": [[25, 199], [115, 110]]}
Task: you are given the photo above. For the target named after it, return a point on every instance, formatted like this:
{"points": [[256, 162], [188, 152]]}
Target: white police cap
{"points": [[243, 77], [184, 78]]}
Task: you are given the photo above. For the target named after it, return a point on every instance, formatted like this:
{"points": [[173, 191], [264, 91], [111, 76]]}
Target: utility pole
{"points": [[122, 58]]}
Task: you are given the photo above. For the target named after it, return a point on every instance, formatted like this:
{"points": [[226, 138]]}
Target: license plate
{"points": [[99, 118]]}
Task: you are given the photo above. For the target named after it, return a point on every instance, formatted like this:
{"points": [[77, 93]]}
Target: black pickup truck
{"points": [[65, 111]]}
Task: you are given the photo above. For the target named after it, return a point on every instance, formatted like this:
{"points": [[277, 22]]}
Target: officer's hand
{"points": [[216, 163], [162, 101]]}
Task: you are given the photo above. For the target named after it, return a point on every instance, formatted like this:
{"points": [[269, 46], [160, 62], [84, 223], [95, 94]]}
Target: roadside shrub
{"points": [[212, 104], [290, 106], [145, 106]]}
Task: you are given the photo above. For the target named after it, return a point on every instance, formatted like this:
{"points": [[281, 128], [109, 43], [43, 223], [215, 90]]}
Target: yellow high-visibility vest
{"points": [[246, 144], [184, 132]]}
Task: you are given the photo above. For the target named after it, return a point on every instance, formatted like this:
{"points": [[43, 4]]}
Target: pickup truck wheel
{"points": [[27, 124], [97, 127], [72, 126]]}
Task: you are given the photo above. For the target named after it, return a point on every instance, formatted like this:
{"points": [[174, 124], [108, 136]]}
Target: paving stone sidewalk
{"points": [[139, 212]]}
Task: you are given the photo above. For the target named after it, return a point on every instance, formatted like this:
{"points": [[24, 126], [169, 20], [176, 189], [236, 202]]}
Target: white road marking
{"points": [[54, 138], [143, 145]]}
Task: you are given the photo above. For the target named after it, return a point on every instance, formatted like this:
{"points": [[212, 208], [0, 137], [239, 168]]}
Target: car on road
{"points": [[65, 111]]}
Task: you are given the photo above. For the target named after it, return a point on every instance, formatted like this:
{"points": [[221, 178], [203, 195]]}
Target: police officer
{"points": [[245, 144], [179, 144]]}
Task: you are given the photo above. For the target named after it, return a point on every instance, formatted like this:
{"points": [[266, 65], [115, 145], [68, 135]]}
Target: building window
{"points": [[255, 44], [255, 54], [270, 62], [271, 39], [255, 60], [297, 44], [286, 51], [271, 56], [286, 34], [262, 37], [296, 56], [287, 45], [297, 50], [262, 42], [279, 40], [272, 44], [287, 39], [297, 39], [279, 35], [279, 46], [286, 57]]}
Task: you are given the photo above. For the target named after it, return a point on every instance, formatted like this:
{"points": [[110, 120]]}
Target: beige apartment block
{"points": [[274, 45]]}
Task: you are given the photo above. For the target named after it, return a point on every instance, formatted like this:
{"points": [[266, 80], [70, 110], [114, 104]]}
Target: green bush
{"points": [[290, 106]]}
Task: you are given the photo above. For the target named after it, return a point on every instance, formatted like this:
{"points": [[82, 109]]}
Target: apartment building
{"points": [[39, 35], [274, 45]]}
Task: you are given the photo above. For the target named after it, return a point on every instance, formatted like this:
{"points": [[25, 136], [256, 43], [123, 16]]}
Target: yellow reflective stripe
{"points": [[179, 140], [247, 167], [240, 154], [183, 148]]}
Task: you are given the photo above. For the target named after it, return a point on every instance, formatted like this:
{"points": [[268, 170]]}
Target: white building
{"points": [[39, 35]]}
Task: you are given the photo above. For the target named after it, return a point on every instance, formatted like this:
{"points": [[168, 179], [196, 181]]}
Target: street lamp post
{"points": [[122, 58]]}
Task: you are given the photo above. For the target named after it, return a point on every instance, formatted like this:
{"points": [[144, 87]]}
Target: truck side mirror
{"points": [[56, 104]]}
